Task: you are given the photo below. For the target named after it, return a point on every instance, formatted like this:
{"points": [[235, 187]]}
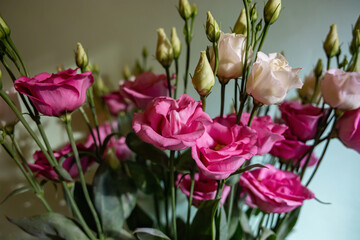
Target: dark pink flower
{"points": [[145, 88], [204, 188], [301, 119], [273, 190], [42, 167], [56, 94], [348, 129], [116, 103], [222, 149], [171, 124]]}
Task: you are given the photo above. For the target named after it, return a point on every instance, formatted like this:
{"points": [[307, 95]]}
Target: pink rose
{"points": [[122, 151], [42, 167], [301, 119], [222, 149], [56, 94], [341, 89], [289, 148], [273, 190], [204, 188], [115, 102], [348, 129], [171, 124], [145, 88]]}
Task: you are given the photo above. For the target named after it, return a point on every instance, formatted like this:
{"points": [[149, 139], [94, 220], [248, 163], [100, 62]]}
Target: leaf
{"points": [[241, 170], [146, 150], [52, 226], [145, 179], [16, 192], [288, 224], [223, 224], [63, 173], [203, 223], [232, 180], [267, 234], [150, 234], [244, 222], [115, 198], [185, 163]]}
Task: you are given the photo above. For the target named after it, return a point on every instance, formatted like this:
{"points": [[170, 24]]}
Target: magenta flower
{"points": [[273, 190], [348, 129], [204, 188], [222, 149], [42, 168], [301, 119], [116, 103], [56, 94], [171, 124]]}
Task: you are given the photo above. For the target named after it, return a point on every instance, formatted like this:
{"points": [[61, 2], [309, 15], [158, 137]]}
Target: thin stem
{"points": [[157, 210], [252, 114], [166, 200], [203, 101], [216, 51], [89, 127], [263, 36], [236, 94], [315, 89], [231, 202], [189, 205], [243, 98], [219, 189], [18, 150], [248, 27], [67, 122], [168, 80], [90, 99], [172, 189], [177, 76], [328, 63], [8, 39], [187, 40], [222, 99]]}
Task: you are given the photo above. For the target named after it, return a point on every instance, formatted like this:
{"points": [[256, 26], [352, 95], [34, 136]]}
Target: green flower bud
{"points": [[253, 13], [272, 11], [240, 25], [176, 43], [4, 28], [357, 25], [81, 57], [185, 10], [126, 73], [194, 10], [318, 69], [203, 79], [212, 28], [258, 26], [164, 50], [331, 44]]}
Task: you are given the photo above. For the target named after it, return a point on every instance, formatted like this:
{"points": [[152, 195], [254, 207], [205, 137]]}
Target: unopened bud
{"points": [[203, 79], [318, 69], [126, 73], [212, 28], [4, 28], [272, 11], [176, 43], [253, 13], [332, 44], [194, 10], [357, 25], [81, 57], [258, 26], [164, 50], [145, 52], [185, 10], [240, 25]]}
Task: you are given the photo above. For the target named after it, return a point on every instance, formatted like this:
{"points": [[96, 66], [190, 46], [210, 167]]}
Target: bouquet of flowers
{"points": [[164, 168]]}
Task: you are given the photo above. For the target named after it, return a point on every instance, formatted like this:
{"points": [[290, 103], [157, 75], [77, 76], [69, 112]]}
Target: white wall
{"points": [[114, 31]]}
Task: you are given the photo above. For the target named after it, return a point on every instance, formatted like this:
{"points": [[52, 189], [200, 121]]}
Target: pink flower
{"points": [[145, 88], [122, 151], [42, 167], [290, 147], [273, 190], [115, 102], [204, 188], [56, 94], [301, 119], [222, 149], [341, 89], [348, 129], [171, 124]]}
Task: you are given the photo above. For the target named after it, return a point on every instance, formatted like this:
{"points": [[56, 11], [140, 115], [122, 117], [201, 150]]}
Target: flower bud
{"points": [[185, 9], [164, 50], [4, 28], [253, 13], [272, 11], [203, 79], [318, 69], [331, 44], [81, 57], [175, 42], [258, 26], [240, 25], [194, 10], [144, 52], [357, 25], [126, 73], [307, 91], [212, 28]]}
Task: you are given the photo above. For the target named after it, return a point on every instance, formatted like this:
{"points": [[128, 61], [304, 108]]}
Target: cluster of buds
{"points": [[167, 51], [186, 10]]}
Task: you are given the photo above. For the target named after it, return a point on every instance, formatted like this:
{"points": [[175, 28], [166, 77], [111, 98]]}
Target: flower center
{"points": [[218, 147]]}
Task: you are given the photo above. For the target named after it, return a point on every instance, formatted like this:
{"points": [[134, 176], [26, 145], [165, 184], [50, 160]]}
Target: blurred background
{"points": [[113, 32]]}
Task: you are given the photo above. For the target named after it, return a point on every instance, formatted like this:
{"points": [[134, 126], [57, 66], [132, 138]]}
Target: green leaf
{"points": [[185, 163], [115, 198], [63, 173], [287, 224], [150, 234], [145, 180], [16, 192], [146, 150], [223, 224], [267, 234], [52, 226], [244, 222], [202, 226], [241, 170]]}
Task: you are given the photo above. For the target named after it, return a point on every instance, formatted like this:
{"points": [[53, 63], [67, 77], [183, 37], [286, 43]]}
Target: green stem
{"points": [[216, 51], [315, 89], [177, 77], [248, 27], [189, 205], [188, 41], [231, 202], [8, 39], [89, 127], [222, 99], [172, 189], [157, 210], [166, 200], [252, 114], [18, 150], [90, 99], [168, 80], [243, 98], [203, 101], [263, 36], [236, 94], [67, 122], [328, 63], [219, 189]]}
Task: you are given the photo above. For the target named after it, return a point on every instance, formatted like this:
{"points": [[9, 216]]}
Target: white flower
{"points": [[7, 116], [271, 78]]}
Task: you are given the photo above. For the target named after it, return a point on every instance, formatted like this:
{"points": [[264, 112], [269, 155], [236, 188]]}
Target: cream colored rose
{"points": [[341, 89], [7, 116], [271, 78], [231, 48]]}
